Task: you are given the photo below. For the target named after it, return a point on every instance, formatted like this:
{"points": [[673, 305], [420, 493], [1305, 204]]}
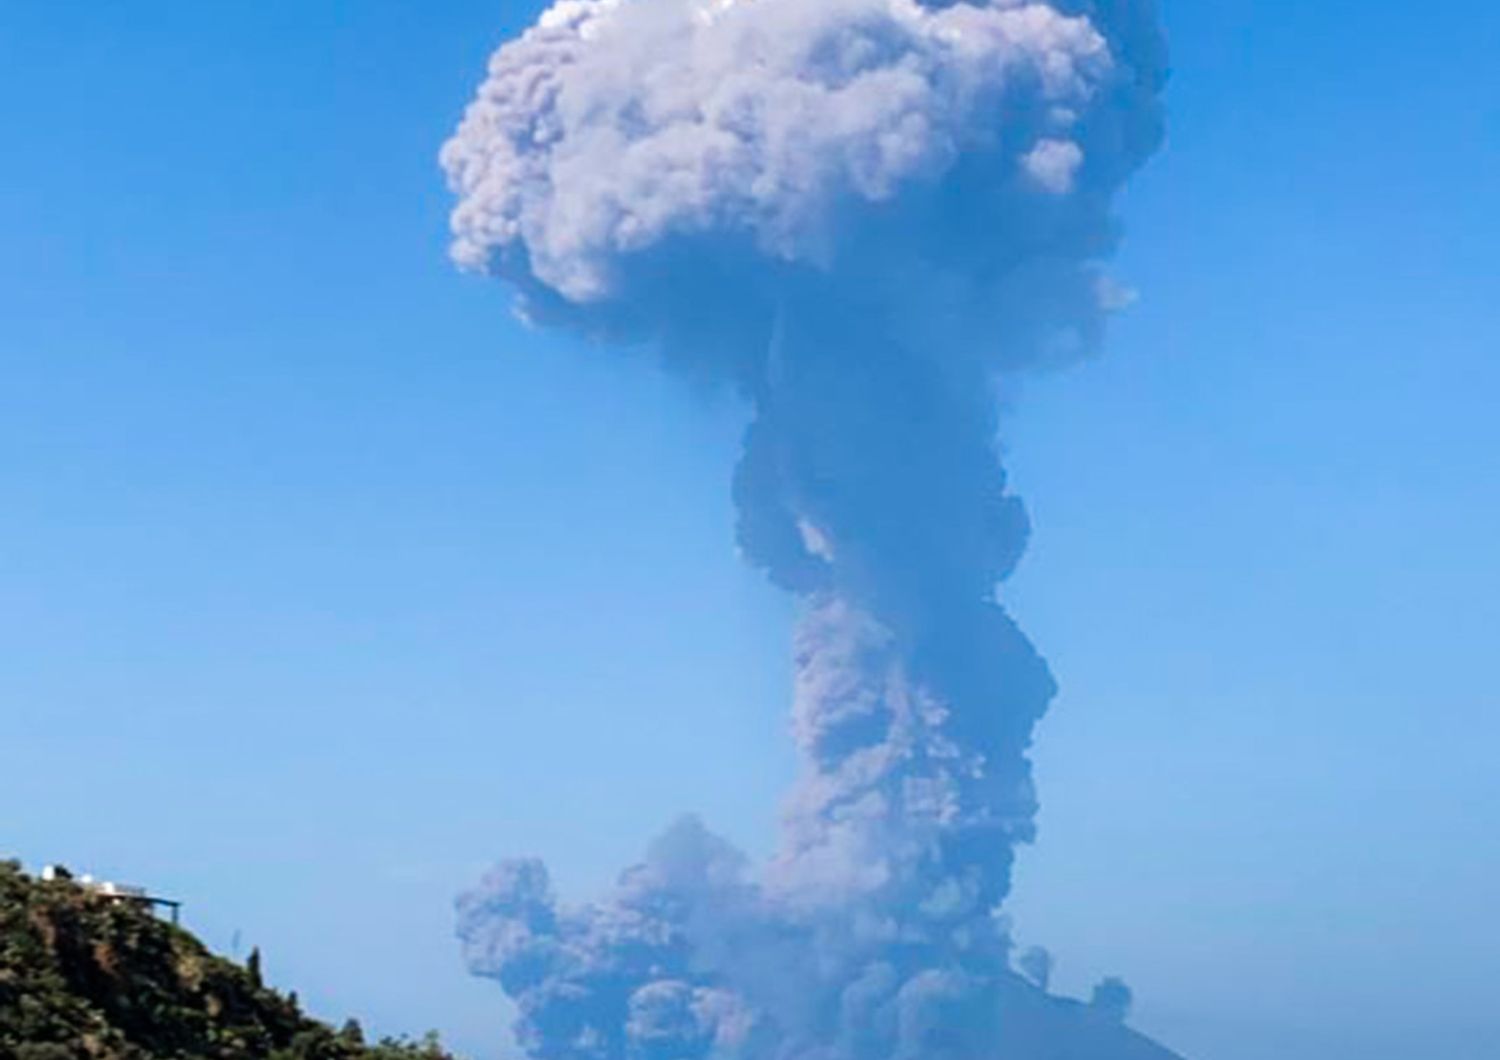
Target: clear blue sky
{"points": [[323, 583]]}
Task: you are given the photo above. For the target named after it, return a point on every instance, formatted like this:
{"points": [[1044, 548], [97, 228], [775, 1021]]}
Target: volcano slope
{"points": [[86, 977]]}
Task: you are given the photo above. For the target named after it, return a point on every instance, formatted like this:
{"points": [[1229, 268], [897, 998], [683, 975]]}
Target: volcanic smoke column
{"points": [[863, 215]]}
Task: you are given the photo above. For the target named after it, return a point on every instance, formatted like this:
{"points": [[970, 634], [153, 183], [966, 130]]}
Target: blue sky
{"points": [[323, 583]]}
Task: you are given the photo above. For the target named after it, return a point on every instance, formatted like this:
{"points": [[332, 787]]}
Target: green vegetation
{"points": [[85, 977]]}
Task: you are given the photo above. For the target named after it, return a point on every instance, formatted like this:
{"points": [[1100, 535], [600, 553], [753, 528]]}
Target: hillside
{"points": [[85, 977], [1044, 1027]]}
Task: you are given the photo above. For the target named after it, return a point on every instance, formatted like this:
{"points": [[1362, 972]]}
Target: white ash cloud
{"points": [[861, 214]]}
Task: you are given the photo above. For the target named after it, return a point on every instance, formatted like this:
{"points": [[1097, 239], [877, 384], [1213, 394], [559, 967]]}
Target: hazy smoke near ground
{"points": [[862, 214]]}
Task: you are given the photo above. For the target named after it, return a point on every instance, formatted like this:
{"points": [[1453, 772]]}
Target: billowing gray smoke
{"points": [[863, 215]]}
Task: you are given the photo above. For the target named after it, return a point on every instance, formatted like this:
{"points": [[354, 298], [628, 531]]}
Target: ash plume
{"points": [[864, 216]]}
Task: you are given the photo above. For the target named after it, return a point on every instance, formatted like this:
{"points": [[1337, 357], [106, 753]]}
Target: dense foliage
{"points": [[85, 977]]}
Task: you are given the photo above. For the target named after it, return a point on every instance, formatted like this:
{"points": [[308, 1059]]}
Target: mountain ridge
{"points": [[89, 975]]}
